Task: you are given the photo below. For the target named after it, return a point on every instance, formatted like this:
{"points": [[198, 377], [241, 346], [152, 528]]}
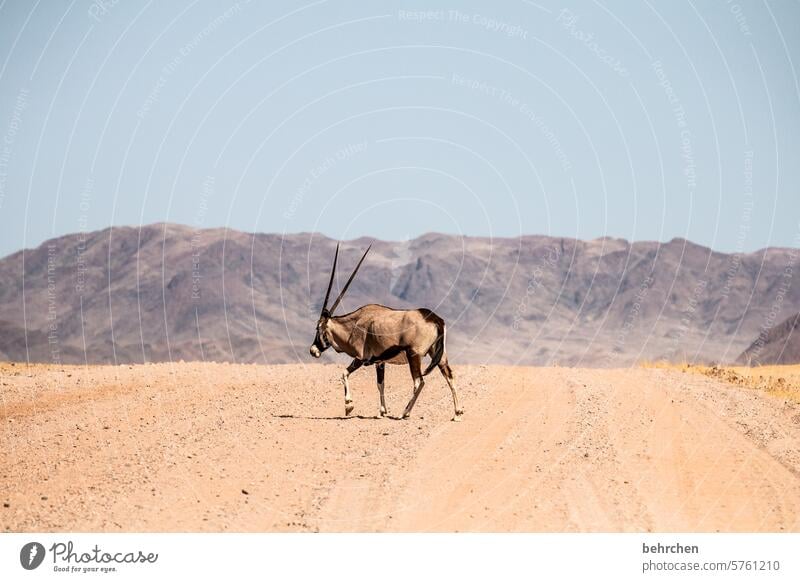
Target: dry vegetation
{"points": [[779, 381]]}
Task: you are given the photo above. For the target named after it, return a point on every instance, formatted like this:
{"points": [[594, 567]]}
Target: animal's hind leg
{"points": [[348, 400], [415, 364], [447, 372], [380, 369]]}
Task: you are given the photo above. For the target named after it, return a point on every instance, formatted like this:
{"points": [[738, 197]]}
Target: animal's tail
{"points": [[439, 347]]}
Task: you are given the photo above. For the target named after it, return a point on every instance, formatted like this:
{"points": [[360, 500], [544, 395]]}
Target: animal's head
{"points": [[322, 339]]}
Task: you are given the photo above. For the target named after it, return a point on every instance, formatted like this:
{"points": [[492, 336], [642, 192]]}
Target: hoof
{"points": [[456, 418], [383, 412], [405, 415], [348, 408]]}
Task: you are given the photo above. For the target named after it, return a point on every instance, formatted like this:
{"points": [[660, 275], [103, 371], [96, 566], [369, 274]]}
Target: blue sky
{"points": [[645, 121]]}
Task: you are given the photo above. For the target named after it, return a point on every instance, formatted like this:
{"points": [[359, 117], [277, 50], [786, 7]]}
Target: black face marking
{"points": [[321, 340]]}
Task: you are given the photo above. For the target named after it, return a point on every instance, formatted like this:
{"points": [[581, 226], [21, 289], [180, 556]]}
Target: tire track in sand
{"points": [[595, 450]]}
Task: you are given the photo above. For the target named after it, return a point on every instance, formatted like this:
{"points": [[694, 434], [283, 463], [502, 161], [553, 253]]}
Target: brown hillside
{"points": [[779, 345], [168, 292]]}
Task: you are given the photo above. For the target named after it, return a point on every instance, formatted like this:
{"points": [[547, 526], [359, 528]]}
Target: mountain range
{"points": [[166, 292]]}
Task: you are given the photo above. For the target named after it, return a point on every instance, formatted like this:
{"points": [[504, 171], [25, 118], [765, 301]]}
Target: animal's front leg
{"points": [[348, 400], [380, 369]]}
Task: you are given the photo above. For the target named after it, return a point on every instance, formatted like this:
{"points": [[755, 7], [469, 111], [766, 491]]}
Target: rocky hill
{"points": [[169, 292], [778, 345]]}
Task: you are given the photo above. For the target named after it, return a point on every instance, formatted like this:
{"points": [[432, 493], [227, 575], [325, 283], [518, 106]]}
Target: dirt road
{"points": [[216, 447]]}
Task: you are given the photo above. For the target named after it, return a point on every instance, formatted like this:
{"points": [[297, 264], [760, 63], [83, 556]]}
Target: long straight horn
{"points": [[350, 280], [330, 283]]}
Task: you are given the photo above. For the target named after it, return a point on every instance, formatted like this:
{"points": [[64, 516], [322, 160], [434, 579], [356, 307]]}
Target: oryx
{"points": [[375, 334]]}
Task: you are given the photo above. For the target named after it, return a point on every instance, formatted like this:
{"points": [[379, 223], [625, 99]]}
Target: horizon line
{"points": [[166, 224]]}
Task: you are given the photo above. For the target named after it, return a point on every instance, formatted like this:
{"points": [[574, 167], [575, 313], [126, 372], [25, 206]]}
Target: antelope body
{"points": [[375, 334]]}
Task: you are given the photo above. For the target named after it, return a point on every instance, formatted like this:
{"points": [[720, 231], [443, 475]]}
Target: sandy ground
{"points": [[216, 447]]}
